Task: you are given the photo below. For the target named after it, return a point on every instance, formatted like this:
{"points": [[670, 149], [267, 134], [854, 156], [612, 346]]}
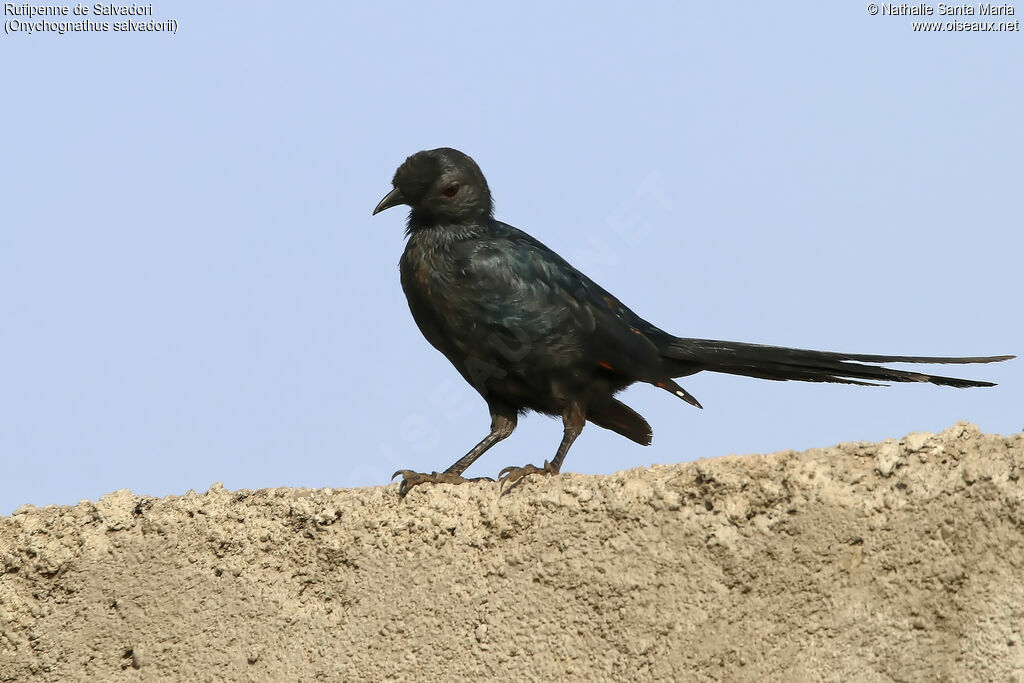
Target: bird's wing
{"points": [[538, 296]]}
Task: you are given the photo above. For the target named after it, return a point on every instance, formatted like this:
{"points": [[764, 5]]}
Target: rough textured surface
{"points": [[901, 560]]}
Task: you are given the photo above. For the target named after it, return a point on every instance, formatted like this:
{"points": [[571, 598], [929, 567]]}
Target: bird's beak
{"points": [[393, 198]]}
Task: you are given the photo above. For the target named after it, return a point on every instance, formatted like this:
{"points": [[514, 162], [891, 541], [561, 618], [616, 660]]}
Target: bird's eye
{"points": [[451, 190]]}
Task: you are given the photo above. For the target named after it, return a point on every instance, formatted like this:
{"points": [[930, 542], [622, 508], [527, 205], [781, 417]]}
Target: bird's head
{"points": [[440, 186]]}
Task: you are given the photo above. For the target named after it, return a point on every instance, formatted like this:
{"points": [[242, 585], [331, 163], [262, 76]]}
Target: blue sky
{"points": [[193, 290]]}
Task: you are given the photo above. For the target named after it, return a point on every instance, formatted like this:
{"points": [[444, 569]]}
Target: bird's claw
{"points": [[411, 478], [510, 475]]}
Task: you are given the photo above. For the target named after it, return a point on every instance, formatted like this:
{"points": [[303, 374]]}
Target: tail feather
{"points": [[672, 387], [780, 363], [620, 418]]}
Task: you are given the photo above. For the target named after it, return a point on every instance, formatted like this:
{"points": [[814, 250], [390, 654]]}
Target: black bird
{"points": [[530, 332]]}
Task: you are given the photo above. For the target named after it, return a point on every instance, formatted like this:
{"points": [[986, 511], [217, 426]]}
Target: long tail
{"points": [[781, 363]]}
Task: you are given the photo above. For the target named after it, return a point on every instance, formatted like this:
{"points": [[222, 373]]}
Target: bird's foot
{"points": [[412, 478], [510, 475]]}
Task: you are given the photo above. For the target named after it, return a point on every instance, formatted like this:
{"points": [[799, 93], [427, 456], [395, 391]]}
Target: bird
{"points": [[530, 332]]}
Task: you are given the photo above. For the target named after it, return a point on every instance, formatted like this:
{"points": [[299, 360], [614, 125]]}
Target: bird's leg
{"points": [[573, 419], [503, 423]]}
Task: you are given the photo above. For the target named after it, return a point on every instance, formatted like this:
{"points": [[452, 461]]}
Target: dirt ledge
{"points": [[902, 560]]}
